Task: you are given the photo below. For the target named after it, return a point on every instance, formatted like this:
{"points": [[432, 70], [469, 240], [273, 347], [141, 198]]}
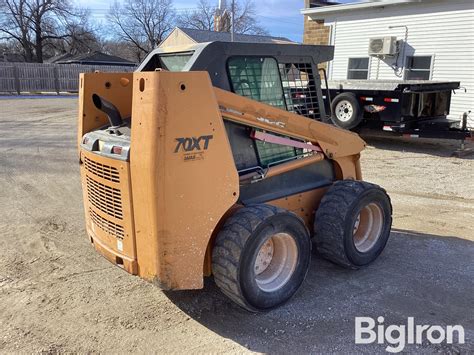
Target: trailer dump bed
{"points": [[394, 85]]}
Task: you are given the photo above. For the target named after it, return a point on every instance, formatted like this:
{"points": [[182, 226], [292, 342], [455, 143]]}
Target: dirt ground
{"points": [[58, 295]]}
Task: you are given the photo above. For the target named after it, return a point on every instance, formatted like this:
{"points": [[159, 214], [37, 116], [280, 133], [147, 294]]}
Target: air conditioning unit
{"points": [[383, 46]]}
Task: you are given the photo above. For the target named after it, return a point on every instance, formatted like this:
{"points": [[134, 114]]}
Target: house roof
{"points": [[363, 5], [58, 58], [319, 3], [202, 36], [90, 58]]}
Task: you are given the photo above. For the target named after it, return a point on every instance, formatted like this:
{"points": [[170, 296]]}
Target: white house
{"points": [[435, 41]]}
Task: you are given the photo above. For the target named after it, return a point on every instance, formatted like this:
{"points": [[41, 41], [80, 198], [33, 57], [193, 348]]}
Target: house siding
{"points": [[442, 29]]}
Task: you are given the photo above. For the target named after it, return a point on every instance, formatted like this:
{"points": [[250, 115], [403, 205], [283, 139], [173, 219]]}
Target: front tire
{"points": [[352, 223], [261, 257]]}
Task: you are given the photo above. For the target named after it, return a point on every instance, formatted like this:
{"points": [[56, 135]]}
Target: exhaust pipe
{"points": [[113, 114]]}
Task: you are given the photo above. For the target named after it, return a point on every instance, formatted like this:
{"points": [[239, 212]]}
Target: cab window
{"points": [[175, 61], [258, 78]]}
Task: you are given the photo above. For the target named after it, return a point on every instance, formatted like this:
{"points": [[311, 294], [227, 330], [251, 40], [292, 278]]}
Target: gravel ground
{"points": [[58, 295]]}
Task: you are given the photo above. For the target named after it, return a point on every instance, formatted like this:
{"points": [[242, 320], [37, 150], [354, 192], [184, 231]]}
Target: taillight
{"points": [[298, 95], [116, 150]]}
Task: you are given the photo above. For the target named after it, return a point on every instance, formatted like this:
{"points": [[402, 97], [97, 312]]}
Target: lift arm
{"points": [[335, 142]]}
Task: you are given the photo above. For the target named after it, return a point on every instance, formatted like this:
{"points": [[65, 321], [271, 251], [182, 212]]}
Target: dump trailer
{"points": [[182, 179], [412, 108]]}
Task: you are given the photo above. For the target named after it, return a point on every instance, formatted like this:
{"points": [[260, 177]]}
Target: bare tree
{"points": [[79, 40], [142, 23], [245, 18], [204, 16], [200, 19], [80, 36], [122, 49], [15, 25], [36, 24], [10, 51]]}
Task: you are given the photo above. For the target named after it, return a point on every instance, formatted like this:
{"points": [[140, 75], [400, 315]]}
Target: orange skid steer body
{"points": [[160, 184]]}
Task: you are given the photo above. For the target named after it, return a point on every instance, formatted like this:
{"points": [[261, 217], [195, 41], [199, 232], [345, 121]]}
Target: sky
{"points": [[280, 18]]}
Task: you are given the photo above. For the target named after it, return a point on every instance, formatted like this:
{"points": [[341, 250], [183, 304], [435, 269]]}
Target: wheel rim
{"points": [[344, 110], [367, 227], [276, 261]]}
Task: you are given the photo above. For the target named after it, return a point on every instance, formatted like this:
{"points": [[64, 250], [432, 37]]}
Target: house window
{"points": [[418, 68], [358, 68]]}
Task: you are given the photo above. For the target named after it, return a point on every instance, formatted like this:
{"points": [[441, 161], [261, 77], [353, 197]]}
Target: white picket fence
{"points": [[36, 77]]}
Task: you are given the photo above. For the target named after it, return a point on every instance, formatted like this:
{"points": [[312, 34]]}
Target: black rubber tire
{"points": [[335, 219], [357, 113], [236, 248]]}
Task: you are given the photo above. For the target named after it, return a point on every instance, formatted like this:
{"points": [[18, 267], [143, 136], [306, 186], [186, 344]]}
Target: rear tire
{"points": [[261, 257], [346, 111], [352, 223]]}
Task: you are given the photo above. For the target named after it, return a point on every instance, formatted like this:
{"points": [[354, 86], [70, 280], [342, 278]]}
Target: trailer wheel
{"points": [[261, 257], [352, 223], [346, 111]]}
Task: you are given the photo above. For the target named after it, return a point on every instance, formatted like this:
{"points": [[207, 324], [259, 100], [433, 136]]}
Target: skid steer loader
{"points": [[201, 163]]}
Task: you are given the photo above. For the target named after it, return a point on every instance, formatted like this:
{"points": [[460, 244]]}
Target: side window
{"points": [[258, 78], [418, 68], [358, 68], [175, 61]]}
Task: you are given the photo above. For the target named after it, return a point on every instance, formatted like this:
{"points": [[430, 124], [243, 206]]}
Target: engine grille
{"points": [[107, 226], [108, 206], [105, 198], [101, 170]]}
